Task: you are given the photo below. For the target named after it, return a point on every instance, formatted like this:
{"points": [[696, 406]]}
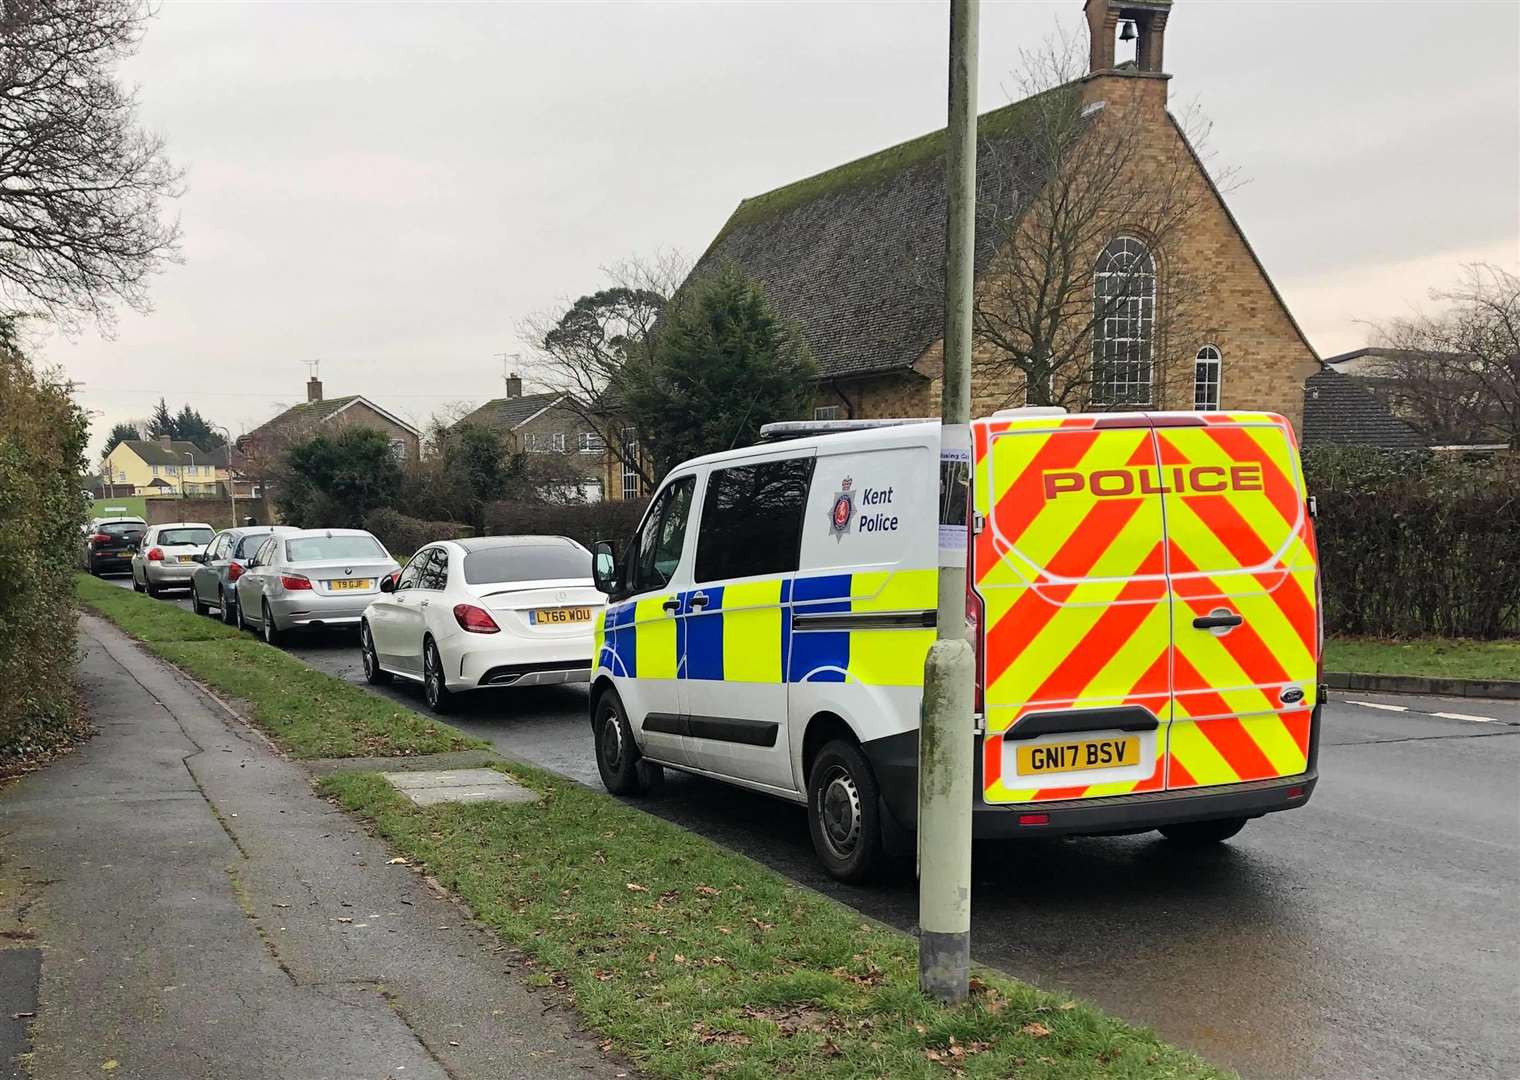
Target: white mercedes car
{"points": [[489, 611]]}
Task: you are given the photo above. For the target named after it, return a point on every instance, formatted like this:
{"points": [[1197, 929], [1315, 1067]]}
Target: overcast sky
{"points": [[390, 188]]}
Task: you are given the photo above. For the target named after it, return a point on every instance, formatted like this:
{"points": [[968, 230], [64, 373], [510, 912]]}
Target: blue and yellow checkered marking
{"points": [[744, 633]]}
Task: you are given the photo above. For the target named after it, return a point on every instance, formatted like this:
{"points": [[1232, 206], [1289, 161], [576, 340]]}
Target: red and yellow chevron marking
{"points": [[1074, 587], [1102, 544], [1251, 552]]}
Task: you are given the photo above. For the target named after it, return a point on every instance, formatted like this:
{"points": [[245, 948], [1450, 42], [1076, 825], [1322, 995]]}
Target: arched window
{"points": [[1206, 379], [1124, 326]]}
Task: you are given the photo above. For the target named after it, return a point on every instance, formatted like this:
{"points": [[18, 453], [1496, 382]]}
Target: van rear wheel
{"points": [[1202, 833], [844, 813]]}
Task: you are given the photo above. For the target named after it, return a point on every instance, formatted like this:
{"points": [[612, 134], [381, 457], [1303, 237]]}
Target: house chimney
{"points": [[514, 385], [313, 389], [165, 440]]}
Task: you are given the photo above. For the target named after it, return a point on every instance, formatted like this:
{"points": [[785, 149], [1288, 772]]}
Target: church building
{"points": [[854, 258]]}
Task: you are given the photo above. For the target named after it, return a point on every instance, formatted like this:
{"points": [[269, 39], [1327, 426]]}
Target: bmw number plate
{"points": [[349, 583], [1074, 756]]}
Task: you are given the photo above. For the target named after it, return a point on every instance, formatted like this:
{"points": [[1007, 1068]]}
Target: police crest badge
{"points": [[843, 510]]}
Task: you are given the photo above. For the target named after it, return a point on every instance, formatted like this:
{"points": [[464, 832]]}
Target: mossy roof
{"points": [[854, 256]]}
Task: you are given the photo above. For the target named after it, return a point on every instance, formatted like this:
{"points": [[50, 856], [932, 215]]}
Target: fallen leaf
{"points": [[344, 918], [1068, 1006], [110, 1064], [398, 861], [708, 890], [635, 887], [651, 958], [1035, 1029]]}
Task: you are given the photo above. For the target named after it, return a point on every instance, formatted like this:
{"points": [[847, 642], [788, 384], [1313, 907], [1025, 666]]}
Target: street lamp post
{"points": [[945, 731], [231, 480]]}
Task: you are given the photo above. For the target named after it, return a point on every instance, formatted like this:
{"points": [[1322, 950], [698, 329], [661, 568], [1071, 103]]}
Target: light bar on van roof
{"points": [[803, 429]]}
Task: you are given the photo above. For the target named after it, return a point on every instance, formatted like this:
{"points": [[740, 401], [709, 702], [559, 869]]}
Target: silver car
{"points": [[212, 586], [311, 579], [165, 557]]}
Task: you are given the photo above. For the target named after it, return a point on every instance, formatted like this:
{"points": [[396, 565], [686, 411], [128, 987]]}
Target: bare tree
{"points": [[81, 184], [1056, 199], [1455, 375], [583, 348]]}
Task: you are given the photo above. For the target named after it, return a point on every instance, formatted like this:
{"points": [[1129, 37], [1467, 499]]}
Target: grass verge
{"points": [[1446, 658], [695, 961], [308, 713]]}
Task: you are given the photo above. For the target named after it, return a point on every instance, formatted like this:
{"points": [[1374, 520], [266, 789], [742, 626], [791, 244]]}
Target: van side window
{"points": [[752, 519], [659, 540]]}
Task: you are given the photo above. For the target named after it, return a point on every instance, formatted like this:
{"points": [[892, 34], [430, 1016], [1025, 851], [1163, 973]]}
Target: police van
{"points": [[1142, 595]]}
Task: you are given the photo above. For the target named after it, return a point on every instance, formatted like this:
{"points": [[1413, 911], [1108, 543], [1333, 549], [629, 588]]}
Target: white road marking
{"points": [[1442, 715]]}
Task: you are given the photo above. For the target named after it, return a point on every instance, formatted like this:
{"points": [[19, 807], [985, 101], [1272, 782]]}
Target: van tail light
{"points": [[475, 620], [156, 555], [234, 570], [101, 538], [295, 582]]}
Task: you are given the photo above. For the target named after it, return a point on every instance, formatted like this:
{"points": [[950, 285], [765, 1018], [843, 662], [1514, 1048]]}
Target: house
{"points": [[854, 258], [1339, 410], [1437, 393], [166, 467], [263, 445], [546, 424]]}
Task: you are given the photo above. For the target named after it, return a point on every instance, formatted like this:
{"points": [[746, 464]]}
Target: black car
{"points": [[110, 542]]}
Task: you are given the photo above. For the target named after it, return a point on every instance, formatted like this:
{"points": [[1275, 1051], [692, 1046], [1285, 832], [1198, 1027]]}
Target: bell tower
{"points": [[1141, 83], [1127, 20]]}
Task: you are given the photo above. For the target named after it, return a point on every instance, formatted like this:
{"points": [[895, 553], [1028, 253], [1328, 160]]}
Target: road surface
{"points": [[1374, 933]]}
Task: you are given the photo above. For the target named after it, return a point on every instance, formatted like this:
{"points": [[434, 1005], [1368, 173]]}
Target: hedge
{"points": [[43, 436], [585, 522], [1417, 545], [403, 535]]}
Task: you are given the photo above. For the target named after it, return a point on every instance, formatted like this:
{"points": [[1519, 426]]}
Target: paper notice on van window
{"points": [[954, 493]]}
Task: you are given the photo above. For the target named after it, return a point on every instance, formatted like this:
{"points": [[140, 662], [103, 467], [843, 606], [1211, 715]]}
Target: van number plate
{"points": [[1075, 756], [560, 616]]}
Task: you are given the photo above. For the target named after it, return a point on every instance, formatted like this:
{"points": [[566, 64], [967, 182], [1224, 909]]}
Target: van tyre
{"points": [[1202, 833], [844, 813], [373, 673], [624, 770]]}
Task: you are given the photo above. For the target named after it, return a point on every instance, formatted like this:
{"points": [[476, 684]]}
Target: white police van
{"points": [[1142, 595]]}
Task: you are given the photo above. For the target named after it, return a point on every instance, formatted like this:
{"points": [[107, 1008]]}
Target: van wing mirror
{"points": [[604, 565]]}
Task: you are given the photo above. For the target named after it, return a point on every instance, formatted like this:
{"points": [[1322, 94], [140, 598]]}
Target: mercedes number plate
{"points": [[559, 616]]}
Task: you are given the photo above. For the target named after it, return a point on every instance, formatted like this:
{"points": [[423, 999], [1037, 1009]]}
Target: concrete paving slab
{"points": [[459, 785], [412, 780]]}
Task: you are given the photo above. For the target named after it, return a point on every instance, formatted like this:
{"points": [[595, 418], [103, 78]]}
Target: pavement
{"points": [[183, 905], [1372, 933]]}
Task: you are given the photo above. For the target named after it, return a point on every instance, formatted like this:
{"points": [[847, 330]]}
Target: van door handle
{"points": [[1219, 618], [672, 605], [698, 600]]}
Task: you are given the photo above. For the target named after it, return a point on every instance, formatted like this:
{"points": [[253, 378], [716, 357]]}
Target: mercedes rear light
{"points": [[156, 555], [475, 620], [295, 582], [234, 570]]}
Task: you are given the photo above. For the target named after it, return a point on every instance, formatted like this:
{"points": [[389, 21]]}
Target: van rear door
{"points": [[1069, 568], [1241, 559]]}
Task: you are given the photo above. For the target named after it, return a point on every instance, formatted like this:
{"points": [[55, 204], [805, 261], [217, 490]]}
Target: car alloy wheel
{"points": [[374, 674], [221, 599], [432, 679]]}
